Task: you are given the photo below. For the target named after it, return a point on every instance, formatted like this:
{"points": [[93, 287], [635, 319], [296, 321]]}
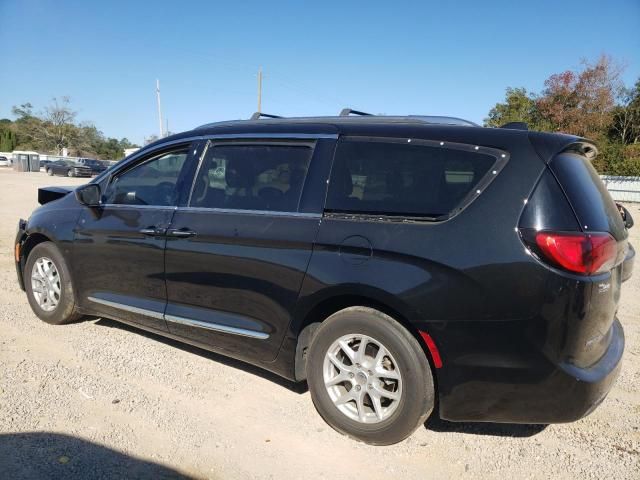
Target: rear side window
{"points": [[590, 199], [416, 178], [252, 177]]}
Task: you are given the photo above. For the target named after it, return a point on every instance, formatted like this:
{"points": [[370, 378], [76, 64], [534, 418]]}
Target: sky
{"points": [[394, 57]]}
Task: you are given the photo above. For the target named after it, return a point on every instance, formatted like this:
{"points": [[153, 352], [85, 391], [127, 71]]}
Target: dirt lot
{"points": [[96, 399]]}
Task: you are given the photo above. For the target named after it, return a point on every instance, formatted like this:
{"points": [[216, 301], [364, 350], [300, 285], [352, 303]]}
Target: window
{"points": [[152, 182], [393, 178], [252, 177]]}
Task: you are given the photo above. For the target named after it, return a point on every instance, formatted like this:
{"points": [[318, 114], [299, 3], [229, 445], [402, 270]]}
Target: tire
{"points": [[70, 173], [65, 309], [49, 172], [415, 400]]}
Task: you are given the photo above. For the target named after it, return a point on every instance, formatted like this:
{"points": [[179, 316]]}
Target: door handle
{"points": [[182, 233], [152, 231]]}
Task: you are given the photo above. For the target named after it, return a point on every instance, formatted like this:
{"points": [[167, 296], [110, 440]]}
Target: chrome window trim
{"points": [[128, 308], [217, 327], [181, 320], [276, 213]]}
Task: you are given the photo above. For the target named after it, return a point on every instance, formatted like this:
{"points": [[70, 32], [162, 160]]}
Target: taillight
{"points": [[584, 253]]}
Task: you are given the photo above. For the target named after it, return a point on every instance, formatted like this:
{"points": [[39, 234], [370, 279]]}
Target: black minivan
{"points": [[397, 264]]}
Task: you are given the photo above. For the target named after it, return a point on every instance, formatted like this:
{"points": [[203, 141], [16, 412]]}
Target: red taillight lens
{"points": [[585, 253]]}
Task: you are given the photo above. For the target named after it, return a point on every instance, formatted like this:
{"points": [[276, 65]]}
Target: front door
{"points": [[119, 247], [238, 251]]}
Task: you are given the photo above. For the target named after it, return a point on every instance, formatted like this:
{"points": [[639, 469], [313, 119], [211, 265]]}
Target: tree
{"points": [[57, 126], [7, 141], [625, 126], [591, 102], [519, 106], [150, 139], [582, 103], [7, 136], [55, 129]]}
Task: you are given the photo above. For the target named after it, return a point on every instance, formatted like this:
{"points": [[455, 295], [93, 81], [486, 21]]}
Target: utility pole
{"points": [[159, 108], [260, 89]]}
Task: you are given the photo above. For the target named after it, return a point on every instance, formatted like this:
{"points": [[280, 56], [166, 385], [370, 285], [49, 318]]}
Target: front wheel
{"points": [[369, 377], [49, 172], [70, 173], [49, 286]]}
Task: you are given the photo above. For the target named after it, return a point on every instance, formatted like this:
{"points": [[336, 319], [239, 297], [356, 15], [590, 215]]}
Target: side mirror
{"points": [[626, 216], [89, 195]]}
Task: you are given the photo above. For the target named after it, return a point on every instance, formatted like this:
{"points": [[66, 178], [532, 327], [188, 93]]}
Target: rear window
{"points": [[417, 178], [594, 207]]}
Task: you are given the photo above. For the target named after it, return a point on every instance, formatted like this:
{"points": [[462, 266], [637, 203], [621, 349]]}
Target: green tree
{"points": [[518, 106], [591, 102], [55, 128]]}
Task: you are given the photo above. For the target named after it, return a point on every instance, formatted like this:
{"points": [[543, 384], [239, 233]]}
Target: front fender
{"points": [[55, 222]]}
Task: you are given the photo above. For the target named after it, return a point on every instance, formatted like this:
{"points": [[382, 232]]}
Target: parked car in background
{"points": [[44, 163], [96, 166], [4, 162], [399, 265], [68, 168]]}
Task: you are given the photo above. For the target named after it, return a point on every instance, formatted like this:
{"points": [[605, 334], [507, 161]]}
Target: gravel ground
{"points": [[99, 400]]}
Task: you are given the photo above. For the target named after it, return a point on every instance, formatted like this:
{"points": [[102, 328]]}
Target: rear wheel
{"points": [[369, 377], [48, 284], [49, 172], [70, 173]]}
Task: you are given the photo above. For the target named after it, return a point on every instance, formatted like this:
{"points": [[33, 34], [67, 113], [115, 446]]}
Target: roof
{"points": [[345, 119], [450, 129]]}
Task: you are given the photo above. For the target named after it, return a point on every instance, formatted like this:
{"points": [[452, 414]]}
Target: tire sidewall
{"points": [[65, 311], [418, 395]]}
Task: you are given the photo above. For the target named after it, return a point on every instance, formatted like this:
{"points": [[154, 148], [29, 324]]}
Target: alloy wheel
{"points": [[45, 284], [362, 378]]}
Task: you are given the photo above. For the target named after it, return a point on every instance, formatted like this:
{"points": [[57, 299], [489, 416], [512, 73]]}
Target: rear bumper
{"points": [[627, 265], [537, 392]]}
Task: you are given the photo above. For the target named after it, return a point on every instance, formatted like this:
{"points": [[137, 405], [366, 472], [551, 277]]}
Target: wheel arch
{"points": [[326, 307], [27, 244]]}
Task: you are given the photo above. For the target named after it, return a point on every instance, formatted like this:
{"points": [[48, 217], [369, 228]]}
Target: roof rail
{"points": [[258, 115], [345, 112], [516, 126]]}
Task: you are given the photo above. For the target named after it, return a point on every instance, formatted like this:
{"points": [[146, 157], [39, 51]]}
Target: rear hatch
{"points": [[583, 238]]}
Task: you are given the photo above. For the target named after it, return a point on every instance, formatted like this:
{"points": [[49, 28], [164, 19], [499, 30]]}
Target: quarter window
{"points": [[152, 182], [375, 177], [252, 177]]}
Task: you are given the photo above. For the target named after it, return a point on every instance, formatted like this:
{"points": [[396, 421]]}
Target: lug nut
{"points": [[351, 375], [357, 388], [370, 372]]}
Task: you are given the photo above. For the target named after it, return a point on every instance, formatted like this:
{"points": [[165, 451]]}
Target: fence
{"points": [[623, 189]]}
